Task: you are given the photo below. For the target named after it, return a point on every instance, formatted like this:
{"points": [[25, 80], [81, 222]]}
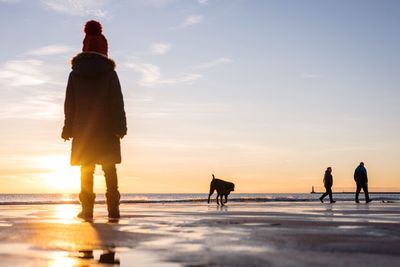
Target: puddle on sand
{"points": [[255, 224], [166, 243], [350, 227], [25, 255], [159, 243], [162, 229], [244, 248]]}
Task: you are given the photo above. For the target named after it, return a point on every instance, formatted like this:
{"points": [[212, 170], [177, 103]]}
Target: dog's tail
{"points": [[213, 176]]}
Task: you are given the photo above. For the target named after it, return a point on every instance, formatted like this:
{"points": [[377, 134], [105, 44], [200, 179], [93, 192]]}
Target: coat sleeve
{"points": [[117, 107], [69, 110]]}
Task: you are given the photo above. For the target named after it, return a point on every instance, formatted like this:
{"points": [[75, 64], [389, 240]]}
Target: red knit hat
{"points": [[94, 40]]}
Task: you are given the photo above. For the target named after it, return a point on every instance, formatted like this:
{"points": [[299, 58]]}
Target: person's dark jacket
{"points": [[360, 175], [328, 180], [94, 111]]}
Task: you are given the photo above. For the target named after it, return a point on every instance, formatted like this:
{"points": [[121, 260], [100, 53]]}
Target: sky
{"points": [[266, 94]]}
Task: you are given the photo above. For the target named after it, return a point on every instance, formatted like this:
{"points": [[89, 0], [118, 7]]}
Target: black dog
{"points": [[223, 189]]}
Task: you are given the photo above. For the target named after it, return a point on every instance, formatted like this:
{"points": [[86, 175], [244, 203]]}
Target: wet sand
{"points": [[195, 234]]}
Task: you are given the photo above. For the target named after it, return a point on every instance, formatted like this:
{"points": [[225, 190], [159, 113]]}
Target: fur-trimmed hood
{"points": [[91, 64]]}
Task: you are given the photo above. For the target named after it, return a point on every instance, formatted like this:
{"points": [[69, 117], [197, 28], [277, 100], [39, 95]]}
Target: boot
{"points": [[113, 205], [87, 202]]}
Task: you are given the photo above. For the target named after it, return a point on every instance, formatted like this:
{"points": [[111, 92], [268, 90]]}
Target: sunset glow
{"points": [[61, 177], [259, 94]]}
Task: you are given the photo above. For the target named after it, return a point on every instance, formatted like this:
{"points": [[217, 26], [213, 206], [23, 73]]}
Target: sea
{"points": [[41, 199]]}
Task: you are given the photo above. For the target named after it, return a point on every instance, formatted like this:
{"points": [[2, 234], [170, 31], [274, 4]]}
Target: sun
{"points": [[60, 175]]}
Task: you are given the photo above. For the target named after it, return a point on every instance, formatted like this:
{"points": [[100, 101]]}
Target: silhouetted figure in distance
{"points": [[223, 188], [328, 182], [95, 118], [361, 178]]}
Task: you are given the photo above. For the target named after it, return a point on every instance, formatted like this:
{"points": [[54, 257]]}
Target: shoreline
{"points": [[56, 199]]}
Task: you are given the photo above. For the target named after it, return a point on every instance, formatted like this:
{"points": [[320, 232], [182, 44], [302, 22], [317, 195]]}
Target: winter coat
{"points": [[360, 175], [94, 111], [328, 180]]}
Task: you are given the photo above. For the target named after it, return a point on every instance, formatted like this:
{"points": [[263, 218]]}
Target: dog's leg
{"points": [[211, 192], [222, 201], [218, 199], [226, 198]]}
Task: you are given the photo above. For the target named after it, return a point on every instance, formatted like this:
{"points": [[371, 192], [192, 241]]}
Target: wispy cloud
{"points": [[151, 75], [77, 7], [154, 49], [159, 48], [213, 63], [50, 50], [41, 107], [158, 3], [203, 2], [31, 88], [190, 21], [25, 72]]}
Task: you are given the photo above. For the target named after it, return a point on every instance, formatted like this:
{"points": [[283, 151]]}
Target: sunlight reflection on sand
{"points": [[61, 259], [66, 213], [242, 234]]}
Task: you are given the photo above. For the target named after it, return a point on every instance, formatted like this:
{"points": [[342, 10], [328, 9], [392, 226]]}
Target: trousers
{"points": [[110, 173], [364, 187], [328, 192]]}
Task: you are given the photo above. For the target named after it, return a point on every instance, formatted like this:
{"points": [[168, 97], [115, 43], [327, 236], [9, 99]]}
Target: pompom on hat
{"points": [[94, 40]]}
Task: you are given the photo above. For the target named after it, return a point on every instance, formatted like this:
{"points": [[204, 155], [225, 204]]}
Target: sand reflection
{"points": [[66, 213], [62, 259]]}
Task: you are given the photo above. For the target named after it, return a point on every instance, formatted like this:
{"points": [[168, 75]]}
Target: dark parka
{"points": [[94, 111], [328, 179], [360, 175]]}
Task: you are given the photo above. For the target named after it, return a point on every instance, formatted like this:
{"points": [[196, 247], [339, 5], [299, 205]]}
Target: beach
{"points": [[197, 234]]}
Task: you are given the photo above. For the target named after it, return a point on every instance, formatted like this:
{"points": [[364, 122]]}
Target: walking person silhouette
{"points": [[361, 178], [328, 182], [95, 119]]}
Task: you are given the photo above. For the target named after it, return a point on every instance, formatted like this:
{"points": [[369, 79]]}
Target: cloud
{"points": [[151, 75], [203, 2], [192, 20], [25, 72], [40, 107], [158, 3], [159, 48], [31, 89], [155, 49], [50, 50], [216, 62], [77, 7]]}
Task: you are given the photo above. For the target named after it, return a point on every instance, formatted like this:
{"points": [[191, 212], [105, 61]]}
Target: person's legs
{"points": [[324, 195], [358, 192], [112, 194], [365, 188], [87, 196], [329, 191]]}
